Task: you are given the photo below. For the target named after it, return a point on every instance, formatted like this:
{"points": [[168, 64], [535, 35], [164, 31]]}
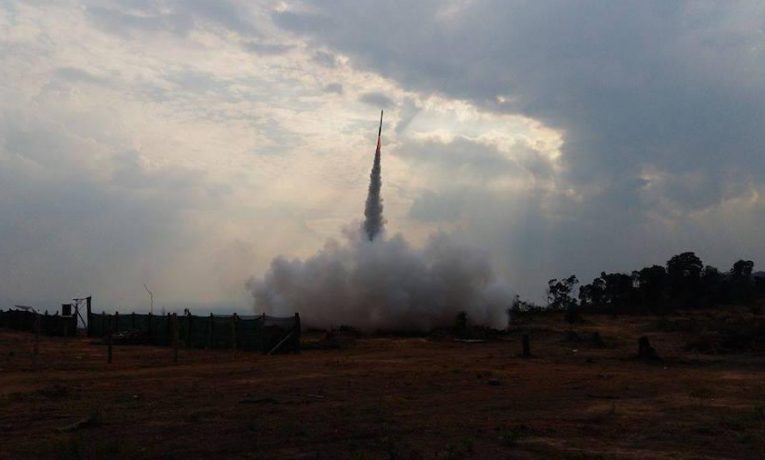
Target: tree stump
{"points": [[646, 352], [526, 346]]}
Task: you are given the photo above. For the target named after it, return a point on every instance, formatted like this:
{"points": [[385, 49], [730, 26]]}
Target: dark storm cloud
{"points": [[674, 85], [661, 105]]}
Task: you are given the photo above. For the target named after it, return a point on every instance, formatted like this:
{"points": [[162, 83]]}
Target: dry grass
{"points": [[391, 398]]}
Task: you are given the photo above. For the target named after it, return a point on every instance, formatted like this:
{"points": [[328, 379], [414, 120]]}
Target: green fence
{"points": [[50, 325], [257, 333]]}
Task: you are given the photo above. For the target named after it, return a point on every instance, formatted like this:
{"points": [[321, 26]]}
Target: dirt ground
{"points": [[410, 398]]}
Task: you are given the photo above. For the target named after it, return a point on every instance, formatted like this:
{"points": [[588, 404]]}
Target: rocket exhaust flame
{"points": [[373, 223]]}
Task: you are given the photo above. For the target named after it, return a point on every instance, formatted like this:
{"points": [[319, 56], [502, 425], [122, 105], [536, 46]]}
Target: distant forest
{"points": [[684, 283]]}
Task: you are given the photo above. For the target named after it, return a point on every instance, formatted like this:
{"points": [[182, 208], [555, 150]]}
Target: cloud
{"points": [[335, 88], [325, 59], [267, 49], [672, 86], [159, 140], [178, 17], [660, 105], [376, 99]]}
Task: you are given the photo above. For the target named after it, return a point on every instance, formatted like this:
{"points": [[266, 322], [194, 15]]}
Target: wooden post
{"points": [[76, 316], [109, 345], [36, 350], [87, 305], [169, 329], [233, 331], [297, 333], [174, 320], [645, 351], [526, 346], [148, 329], [103, 322], [211, 333], [189, 325], [117, 322], [262, 338]]}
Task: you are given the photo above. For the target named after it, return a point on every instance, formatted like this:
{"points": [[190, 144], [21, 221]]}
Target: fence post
{"points": [[65, 322], [151, 337], [262, 338], [109, 344], [211, 332], [103, 322], [90, 324], [117, 322], [189, 325], [168, 329], [297, 332], [36, 350], [233, 331], [175, 338]]}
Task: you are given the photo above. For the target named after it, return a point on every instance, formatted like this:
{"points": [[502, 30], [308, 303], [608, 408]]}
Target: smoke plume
{"points": [[372, 283], [384, 285], [373, 223]]}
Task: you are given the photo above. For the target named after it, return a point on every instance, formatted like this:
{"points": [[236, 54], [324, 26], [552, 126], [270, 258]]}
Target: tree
{"points": [[619, 289], [685, 265], [684, 272], [742, 280], [559, 292], [742, 269], [712, 286], [652, 286], [592, 294], [559, 296]]}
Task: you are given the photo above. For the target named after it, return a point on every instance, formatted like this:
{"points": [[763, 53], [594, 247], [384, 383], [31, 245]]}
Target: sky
{"points": [[185, 144]]}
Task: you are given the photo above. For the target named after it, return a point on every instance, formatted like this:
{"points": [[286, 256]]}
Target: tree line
{"points": [[684, 282]]}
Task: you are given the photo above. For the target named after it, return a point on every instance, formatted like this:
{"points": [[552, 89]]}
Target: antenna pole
{"points": [[151, 298]]}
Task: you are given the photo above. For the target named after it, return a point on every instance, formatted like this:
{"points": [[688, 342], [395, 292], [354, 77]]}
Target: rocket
{"points": [[373, 224], [379, 134]]}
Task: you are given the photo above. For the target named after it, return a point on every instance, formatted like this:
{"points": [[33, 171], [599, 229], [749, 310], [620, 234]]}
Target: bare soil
{"points": [[410, 398]]}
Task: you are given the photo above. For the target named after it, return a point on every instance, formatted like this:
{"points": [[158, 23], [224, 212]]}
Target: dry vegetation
{"points": [[396, 397]]}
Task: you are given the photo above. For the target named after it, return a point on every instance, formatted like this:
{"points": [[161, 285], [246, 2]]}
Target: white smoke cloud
{"points": [[385, 284]]}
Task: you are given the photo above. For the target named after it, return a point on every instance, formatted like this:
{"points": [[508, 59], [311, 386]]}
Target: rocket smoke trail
{"points": [[373, 223], [388, 285]]}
